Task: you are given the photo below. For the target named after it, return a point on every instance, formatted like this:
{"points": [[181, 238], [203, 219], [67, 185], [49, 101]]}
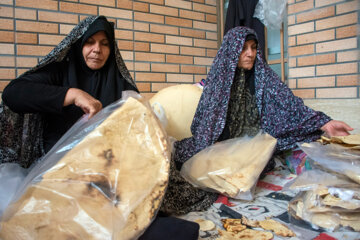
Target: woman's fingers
{"points": [[336, 128], [83, 100]]}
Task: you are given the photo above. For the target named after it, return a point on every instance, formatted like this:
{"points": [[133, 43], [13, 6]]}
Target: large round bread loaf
{"points": [[180, 103]]}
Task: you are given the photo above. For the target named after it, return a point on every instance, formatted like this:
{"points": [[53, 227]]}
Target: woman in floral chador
{"points": [[242, 95]]}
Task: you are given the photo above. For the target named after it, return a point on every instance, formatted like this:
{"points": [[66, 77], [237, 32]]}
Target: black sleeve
{"points": [[41, 91]]}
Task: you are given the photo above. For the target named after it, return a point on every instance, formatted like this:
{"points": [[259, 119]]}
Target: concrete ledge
{"points": [[347, 110]]}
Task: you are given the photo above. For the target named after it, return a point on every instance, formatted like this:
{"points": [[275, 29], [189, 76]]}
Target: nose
{"points": [[249, 52], [96, 47]]}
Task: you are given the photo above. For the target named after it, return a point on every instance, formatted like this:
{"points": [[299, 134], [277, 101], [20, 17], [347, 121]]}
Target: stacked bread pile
{"points": [[330, 196], [109, 186], [231, 167]]}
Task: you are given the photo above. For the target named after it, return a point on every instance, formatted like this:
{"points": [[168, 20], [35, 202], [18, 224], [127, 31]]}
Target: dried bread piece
{"points": [[276, 227], [247, 234], [249, 222], [233, 225], [179, 103], [330, 200], [353, 139], [109, 186]]}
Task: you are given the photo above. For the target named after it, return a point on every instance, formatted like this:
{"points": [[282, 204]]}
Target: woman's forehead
{"points": [[99, 34]]}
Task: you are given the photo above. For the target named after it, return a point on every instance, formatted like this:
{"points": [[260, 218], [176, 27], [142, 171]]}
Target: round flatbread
{"points": [[205, 225], [180, 103]]}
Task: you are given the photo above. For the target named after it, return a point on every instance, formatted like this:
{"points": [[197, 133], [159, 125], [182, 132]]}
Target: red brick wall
{"points": [[323, 48], [163, 42]]}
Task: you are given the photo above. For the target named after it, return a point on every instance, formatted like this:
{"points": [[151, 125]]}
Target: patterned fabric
{"points": [[181, 197], [282, 115], [21, 134], [20, 137], [243, 116]]}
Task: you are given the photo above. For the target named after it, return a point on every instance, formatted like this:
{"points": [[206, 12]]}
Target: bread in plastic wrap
{"points": [[108, 186], [231, 167]]}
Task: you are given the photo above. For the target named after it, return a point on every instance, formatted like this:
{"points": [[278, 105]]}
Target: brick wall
{"points": [[163, 42], [323, 51]]}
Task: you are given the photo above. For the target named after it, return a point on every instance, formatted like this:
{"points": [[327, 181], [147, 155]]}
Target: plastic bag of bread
{"points": [[335, 157], [104, 179], [323, 210], [231, 167]]}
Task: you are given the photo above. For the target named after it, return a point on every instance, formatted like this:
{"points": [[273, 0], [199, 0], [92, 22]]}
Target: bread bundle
{"points": [[109, 186], [231, 167]]}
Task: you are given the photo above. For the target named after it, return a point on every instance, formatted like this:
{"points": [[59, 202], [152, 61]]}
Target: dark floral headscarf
{"points": [[282, 115]]}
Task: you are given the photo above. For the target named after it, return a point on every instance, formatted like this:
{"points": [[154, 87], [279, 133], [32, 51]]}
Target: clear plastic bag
{"points": [[271, 12], [11, 176], [231, 167], [104, 179], [311, 207], [334, 157], [317, 179]]}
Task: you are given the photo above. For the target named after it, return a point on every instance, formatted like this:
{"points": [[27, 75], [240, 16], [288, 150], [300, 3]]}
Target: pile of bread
{"points": [[109, 186], [330, 196], [231, 167]]}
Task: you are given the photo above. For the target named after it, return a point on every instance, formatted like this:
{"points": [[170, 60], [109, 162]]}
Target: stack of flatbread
{"points": [[231, 167], [327, 211], [328, 201], [109, 186]]}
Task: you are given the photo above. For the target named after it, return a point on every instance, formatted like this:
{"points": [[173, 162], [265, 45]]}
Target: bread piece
{"points": [[179, 103], [205, 225], [248, 222], [247, 234], [233, 225], [276, 227]]}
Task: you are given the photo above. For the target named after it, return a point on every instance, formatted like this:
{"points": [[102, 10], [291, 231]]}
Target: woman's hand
{"points": [[336, 128], [83, 100]]}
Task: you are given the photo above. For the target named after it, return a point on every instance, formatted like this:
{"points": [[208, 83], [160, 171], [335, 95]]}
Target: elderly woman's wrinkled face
{"points": [[96, 50], [248, 55]]}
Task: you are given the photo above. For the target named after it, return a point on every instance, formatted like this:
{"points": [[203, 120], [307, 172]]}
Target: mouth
{"points": [[96, 59]]}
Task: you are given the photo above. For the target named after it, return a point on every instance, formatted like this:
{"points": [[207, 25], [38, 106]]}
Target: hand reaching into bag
{"points": [[83, 100]]}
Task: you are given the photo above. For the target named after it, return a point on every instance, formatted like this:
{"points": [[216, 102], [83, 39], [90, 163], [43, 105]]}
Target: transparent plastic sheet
{"points": [[271, 12], [334, 157], [11, 176], [318, 180], [307, 206], [104, 179], [231, 167]]}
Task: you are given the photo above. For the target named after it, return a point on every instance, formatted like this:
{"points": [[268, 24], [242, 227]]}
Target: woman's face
{"points": [[96, 50], [248, 55]]}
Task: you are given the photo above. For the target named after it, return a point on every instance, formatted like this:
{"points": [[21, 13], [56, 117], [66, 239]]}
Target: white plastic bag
{"points": [[231, 167], [271, 12]]}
